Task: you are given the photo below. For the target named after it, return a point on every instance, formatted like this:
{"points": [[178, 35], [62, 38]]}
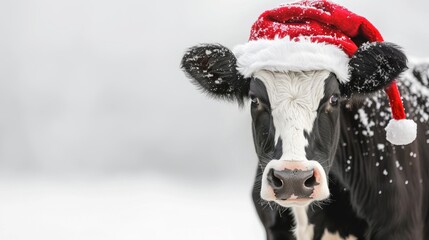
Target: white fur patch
{"points": [[303, 230], [284, 55], [336, 236]]}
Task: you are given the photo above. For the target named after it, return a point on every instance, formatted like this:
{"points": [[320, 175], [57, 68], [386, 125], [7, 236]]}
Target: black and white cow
{"points": [[325, 168]]}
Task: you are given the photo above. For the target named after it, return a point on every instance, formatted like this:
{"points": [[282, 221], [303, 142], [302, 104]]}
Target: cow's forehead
{"points": [[305, 88]]}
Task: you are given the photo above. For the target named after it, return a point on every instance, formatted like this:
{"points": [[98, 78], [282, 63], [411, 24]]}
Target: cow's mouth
{"points": [[294, 183], [294, 203]]}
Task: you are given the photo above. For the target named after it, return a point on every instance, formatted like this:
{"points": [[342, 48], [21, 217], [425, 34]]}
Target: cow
{"points": [[325, 169]]}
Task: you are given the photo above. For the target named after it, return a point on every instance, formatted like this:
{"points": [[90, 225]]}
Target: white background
{"points": [[103, 137]]}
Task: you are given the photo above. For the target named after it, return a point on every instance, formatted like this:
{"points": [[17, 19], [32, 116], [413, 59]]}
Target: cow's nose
{"points": [[292, 184]]}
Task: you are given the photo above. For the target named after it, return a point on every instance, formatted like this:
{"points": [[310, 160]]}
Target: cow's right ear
{"points": [[213, 68], [373, 67]]}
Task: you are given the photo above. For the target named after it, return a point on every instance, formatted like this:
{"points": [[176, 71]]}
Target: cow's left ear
{"points": [[213, 68], [374, 66]]}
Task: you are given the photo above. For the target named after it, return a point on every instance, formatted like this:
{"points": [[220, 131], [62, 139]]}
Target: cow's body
{"points": [[378, 190], [338, 157]]}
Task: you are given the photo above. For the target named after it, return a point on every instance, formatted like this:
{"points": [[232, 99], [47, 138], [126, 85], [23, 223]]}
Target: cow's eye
{"points": [[254, 100], [334, 100]]}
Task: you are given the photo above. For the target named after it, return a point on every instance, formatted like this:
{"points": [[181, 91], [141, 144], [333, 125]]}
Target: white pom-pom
{"points": [[401, 132]]}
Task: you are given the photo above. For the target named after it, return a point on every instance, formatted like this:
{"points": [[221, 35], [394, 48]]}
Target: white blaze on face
{"points": [[294, 99]]}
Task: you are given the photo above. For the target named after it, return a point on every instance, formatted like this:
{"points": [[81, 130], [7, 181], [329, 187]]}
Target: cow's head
{"points": [[296, 114]]}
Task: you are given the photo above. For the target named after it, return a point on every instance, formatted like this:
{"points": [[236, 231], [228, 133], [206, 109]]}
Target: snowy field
{"points": [[126, 209]]}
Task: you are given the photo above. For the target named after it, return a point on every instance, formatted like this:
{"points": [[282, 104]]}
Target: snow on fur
{"points": [[416, 95], [375, 65], [212, 67]]}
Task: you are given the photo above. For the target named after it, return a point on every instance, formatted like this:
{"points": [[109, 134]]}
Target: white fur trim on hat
{"points": [[289, 55], [401, 132]]}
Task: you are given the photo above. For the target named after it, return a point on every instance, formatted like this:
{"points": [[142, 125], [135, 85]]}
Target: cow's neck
{"points": [[351, 146], [363, 155], [303, 229]]}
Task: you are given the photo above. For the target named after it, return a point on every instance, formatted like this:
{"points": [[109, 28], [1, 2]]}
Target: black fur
{"points": [[325, 133], [378, 190], [213, 67], [338, 216], [421, 73], [374, 66]]}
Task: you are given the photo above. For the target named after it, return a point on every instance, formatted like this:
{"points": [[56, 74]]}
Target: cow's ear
{"points": [[374, 66], [213, 68]]}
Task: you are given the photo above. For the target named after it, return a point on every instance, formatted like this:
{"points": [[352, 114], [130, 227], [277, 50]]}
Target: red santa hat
{"points": [[317, 35]]}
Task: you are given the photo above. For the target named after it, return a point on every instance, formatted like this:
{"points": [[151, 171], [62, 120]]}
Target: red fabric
{"points": [[395, 100], [320, 20], [323, 21]]}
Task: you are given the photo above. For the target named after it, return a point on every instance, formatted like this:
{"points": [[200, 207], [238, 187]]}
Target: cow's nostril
{"points": [[310, 182], [275, 182]]}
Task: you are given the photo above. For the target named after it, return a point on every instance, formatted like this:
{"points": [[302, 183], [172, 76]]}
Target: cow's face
{"points": [[295, 129], [296, 115]]}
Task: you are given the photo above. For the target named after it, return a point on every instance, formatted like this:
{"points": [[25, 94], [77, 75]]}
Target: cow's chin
{"points": [[294, 203], [320, 191]]}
